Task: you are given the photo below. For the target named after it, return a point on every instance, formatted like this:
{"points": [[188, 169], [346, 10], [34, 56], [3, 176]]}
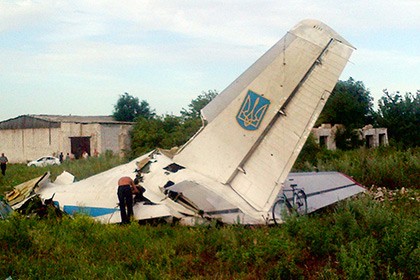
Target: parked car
{"points": [[44, 161]]}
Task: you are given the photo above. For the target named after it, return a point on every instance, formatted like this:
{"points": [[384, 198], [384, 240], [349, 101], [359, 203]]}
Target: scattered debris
{"points": [[382, 194], [21, 193], [5, 209]]}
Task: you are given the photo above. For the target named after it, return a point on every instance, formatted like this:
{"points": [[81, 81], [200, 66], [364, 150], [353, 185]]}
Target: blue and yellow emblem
{"points": [[252, 111]]}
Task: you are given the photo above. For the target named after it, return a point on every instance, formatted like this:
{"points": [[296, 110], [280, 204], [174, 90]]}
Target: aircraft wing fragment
{"points": [[322, 188]]}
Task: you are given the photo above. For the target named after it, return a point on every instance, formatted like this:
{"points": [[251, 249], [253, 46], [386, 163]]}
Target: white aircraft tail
{"points": [[257, 126]]}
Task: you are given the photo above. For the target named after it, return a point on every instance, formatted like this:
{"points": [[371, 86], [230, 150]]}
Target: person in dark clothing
{"points": [[139, 197], [126, 189], [3, 163]]}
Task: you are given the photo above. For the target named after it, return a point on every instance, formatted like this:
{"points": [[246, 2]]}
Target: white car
{"points": [[44, 161]]}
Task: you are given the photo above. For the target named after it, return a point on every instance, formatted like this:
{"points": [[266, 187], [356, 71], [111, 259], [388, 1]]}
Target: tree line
{"points": [[350, 104], [166, 131]]}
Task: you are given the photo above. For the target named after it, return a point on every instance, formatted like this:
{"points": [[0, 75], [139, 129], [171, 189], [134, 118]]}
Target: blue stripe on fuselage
{"points": [[91, 211]]}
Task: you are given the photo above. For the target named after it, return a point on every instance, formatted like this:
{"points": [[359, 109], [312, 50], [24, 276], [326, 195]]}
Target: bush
{"points": [[386, 167], [357, 259]]}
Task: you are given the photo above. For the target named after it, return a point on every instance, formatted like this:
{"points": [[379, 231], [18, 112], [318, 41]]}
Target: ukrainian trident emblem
{"points": [[252, 111]]}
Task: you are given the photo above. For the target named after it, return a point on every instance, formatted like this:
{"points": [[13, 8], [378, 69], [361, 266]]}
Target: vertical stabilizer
{"points": [[258, 124]]}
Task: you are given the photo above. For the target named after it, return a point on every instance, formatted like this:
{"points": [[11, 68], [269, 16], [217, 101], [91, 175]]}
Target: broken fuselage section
{"points": [[173, 192]]}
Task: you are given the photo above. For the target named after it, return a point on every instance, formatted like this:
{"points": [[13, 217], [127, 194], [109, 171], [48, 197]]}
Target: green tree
{"points": [[197, 104], [172, 127], [350, 104], [347, 139], [308, 157], [400, 114], [161, 132], [169, 131], [147, 134], [128, 108]]}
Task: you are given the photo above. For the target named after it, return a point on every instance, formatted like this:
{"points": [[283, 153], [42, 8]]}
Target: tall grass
{"points": [[386, 167], [358, 239]]}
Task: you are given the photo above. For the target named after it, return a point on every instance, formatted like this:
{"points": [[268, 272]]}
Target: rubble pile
{"points": [[382, 194]]}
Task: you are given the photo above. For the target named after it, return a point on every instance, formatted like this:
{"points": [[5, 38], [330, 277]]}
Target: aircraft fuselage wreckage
{"points": [[236, 168]]}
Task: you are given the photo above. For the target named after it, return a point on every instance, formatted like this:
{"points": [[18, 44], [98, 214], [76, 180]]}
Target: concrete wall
{"points": [[22, 145], [115, 138]]}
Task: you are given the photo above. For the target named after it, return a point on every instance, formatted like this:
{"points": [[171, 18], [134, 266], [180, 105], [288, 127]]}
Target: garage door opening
{"points": [[80, 145]]}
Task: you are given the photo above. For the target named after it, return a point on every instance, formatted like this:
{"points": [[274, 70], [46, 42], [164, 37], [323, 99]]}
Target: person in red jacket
{"points": [[126, 189]]}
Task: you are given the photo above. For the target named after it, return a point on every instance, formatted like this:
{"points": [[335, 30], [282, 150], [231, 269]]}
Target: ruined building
{"points": [[373, 137]]}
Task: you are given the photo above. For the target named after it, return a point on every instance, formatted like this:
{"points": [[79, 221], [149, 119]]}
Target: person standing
{"points": [[126, 189], [3, 163]]}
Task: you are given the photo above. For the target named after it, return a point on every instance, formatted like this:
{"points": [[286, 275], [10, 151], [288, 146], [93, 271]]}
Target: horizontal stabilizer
{"points": [[322, 188]]}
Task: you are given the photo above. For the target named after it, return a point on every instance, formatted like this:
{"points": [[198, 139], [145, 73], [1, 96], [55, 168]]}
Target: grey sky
{"points": [[77, 57]]}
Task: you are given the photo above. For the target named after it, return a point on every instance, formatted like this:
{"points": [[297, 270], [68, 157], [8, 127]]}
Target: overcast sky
{"points": [[77, 57]]}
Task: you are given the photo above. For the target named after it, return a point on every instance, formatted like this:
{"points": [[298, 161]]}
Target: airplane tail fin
{"points": [[257, 126]]}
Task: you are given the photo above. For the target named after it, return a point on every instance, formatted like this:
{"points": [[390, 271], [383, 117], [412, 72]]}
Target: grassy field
{"points": [[362, 238]]}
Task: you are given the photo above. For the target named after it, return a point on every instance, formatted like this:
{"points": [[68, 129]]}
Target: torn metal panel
{"points": [[197, 193], [206, 201], [21, 193], [65, 178], [217, 201], [97, 196]]}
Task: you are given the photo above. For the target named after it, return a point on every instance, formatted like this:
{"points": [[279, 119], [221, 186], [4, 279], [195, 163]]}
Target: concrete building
{"points": [[373, 137], [325, 135], [28, 137]]}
